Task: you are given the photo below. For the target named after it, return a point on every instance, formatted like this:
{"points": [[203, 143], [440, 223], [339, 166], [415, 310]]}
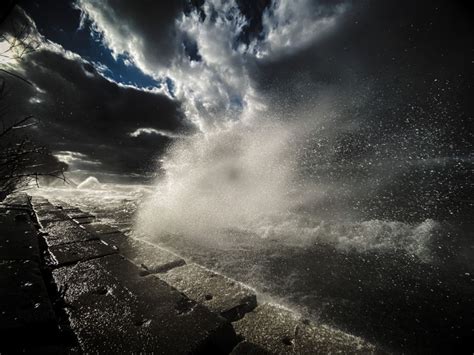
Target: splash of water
{"points": [[224, 180], [268, 180]]}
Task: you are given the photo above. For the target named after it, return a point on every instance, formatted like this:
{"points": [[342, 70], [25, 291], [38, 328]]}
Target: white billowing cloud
{"points": [[216, 90], [6, 56], [293, 24], [75, 158], [214, 87], [142, 131], [118, 38], [142, 32]]}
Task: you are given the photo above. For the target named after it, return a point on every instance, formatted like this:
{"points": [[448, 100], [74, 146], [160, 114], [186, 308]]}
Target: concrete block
{"points": [[25, 310], [18, 237], [220, 294], [151, 258], [280, 331], [100, 228], [63, 232], [65, 254], [113, 309]]}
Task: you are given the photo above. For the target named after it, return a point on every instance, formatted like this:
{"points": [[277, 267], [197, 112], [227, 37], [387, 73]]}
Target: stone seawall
{"points": [[96, 290]]}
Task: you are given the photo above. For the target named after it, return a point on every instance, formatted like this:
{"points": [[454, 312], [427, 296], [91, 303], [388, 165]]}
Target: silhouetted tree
{"points": [[21, 159]]}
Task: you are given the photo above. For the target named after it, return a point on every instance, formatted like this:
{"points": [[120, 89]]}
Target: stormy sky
{"points": [[117, 82]]}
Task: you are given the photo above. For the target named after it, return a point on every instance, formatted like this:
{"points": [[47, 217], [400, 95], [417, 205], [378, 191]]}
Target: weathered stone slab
{"points": [[38, 200], [79, 215], [45, 208], [18, 236], [17, 200], [148, 256], [42, 205], [280, 331], [71, 209], [65, 254], [84, 220], [62, 232], [100, 228], [220, 294], [25, 310], [114, 310], [68, 208], [53, 216], [47, 213]]}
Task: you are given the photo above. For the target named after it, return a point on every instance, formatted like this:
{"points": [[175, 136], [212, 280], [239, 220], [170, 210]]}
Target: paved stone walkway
{"points": [[72, 284]]}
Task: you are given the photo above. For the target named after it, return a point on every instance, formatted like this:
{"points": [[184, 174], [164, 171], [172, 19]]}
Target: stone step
{"points": [[220, 294], [100, 228], [280, 331], [151, 258], [47, 213], [18, 239], [19, 200], [26, 312], [65, 254], [113, 309], [79, 214], [83, 220], [63, 232], [38, 200], [25, 309]]}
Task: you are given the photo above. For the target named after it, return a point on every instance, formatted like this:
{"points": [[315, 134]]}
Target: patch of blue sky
{"points": [[60, 22]]}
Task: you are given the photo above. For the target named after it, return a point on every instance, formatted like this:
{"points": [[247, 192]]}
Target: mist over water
{"points": [[351, 221], [299, 179]]}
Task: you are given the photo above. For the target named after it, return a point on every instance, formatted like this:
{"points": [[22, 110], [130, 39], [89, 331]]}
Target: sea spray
{"points": [[267, 180], [228, 179]]}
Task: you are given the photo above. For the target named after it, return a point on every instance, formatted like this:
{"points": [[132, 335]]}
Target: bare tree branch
{"points": [[17, 76], [22, 161], [14, 125]]}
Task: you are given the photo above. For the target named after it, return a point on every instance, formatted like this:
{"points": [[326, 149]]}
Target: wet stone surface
{"points": [[65, 254], [84, 220], [18, 240], [279, 331], [47, 213], [149, 257], [115, 310], [69, 209], [17, 201], [62, 232], [25, 308], [217, 292], [100, 228], [45, 219], [79, 214]]}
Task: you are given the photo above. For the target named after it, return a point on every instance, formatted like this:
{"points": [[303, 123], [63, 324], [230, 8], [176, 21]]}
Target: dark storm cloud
{"points": [[81, 112], [394, 64], [398, 78]]}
